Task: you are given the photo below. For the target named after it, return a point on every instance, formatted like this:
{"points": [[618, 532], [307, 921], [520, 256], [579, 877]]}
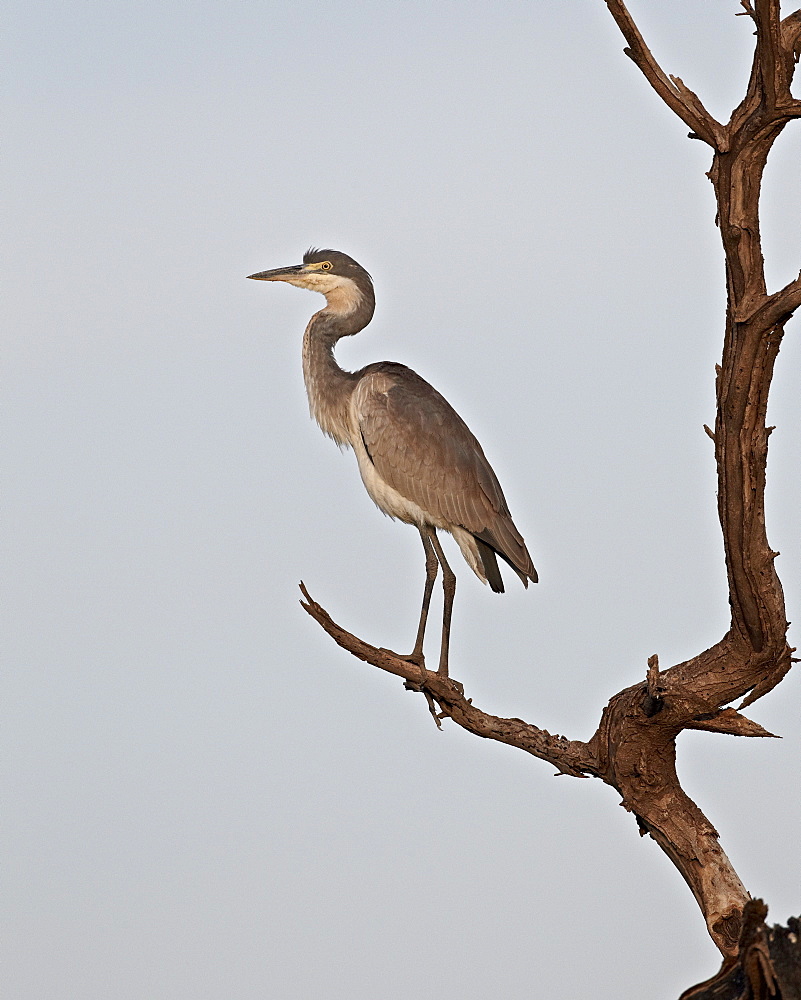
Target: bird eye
{"points": [[326, 265]]}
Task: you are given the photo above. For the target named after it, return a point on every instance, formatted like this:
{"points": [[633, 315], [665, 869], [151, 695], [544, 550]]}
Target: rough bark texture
{"points": [[634, 748], [767, 967]]}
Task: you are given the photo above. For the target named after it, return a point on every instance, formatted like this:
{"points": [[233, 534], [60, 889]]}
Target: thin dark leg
{"points": [[432, 568], [431, 574], [449, 591]]}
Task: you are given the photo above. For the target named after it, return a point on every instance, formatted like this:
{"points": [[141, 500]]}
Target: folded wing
{"points": [[422, 448]]}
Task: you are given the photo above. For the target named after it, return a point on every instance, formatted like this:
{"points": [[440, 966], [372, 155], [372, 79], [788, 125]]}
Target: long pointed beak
{"points": [[278, 273]]}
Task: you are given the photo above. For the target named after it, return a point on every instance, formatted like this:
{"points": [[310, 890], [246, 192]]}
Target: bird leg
{"points": [[449, 591], [432, 567]]}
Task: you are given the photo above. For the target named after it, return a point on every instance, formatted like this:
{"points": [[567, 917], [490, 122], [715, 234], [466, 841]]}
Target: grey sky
{"points": [[205, 798]]}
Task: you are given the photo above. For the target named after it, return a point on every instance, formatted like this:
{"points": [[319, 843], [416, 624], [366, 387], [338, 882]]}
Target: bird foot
{"points": [[432, 705], [418, 659]]}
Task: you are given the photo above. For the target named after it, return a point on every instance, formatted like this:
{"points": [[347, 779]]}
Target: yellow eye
{"points": [[326, 265]]}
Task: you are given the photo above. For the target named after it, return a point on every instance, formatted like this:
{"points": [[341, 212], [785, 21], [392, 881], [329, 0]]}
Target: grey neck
{"points": [[328, 386]]}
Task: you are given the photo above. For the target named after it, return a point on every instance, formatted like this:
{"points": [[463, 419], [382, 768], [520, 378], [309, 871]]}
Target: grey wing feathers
{"points": [[423, 449]]}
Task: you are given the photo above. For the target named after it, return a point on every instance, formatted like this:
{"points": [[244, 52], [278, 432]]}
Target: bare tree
{"points": [[634, 747]]}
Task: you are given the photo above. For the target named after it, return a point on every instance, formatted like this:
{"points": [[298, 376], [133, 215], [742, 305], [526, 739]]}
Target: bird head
{"points": [[345, 284]]}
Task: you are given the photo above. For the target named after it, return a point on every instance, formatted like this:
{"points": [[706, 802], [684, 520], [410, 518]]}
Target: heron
{"points": [[418, 460]]}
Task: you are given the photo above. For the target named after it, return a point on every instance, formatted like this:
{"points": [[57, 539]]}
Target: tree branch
{"points": [[774, 310], [570, 756], [729, 721], [633, 750], [679, 98], [791, 39], [769, 47]]}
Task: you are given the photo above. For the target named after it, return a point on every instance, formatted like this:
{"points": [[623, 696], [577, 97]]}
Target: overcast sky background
{"points": [[205, 798]]}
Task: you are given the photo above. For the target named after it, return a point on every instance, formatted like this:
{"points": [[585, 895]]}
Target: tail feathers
{"points": [[523, 578], [506, 542], [490, 564]]}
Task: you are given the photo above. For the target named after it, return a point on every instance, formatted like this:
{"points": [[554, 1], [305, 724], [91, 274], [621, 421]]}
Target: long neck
{"points": [[328, 386]]}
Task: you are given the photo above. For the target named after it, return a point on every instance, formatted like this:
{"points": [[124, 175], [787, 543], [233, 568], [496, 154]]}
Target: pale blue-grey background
{"points": [[205, 798]]}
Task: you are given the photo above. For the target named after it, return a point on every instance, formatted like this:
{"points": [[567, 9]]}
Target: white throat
{"points": [[342, 294]]}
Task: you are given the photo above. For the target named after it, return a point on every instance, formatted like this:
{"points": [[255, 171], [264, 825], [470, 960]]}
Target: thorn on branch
{"points": [[652, 701], [652, 677], [709, 432], [730, 722]]}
